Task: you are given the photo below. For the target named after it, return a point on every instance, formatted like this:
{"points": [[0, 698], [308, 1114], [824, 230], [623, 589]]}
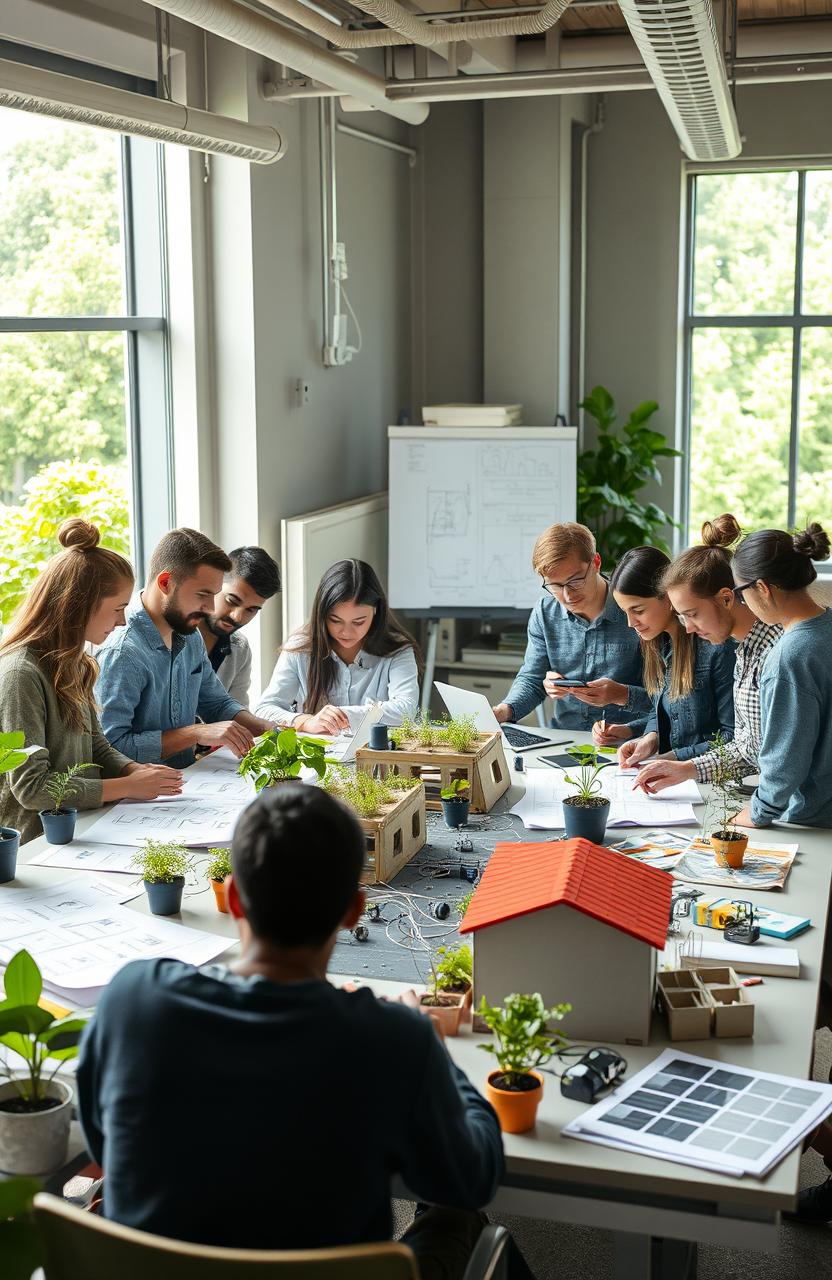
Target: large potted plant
{"points": [[11, 757], [163, 867], [449, 987], [218, 868], [456, 802], [35, 1107], [728, 844], [586, 813], [521, 1043], [59, 821], [280, 756]]}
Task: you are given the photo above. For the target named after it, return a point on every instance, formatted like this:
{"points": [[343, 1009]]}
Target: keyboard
{"points": [[520, 738]]}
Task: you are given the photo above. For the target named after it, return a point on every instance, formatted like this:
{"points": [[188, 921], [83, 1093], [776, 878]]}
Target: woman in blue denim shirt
{"points": [[690, 681]]}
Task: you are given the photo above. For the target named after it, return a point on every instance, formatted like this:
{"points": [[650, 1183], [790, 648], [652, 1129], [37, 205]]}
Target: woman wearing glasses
{"points": [[700, 587], [690, 682], [772, 570]]}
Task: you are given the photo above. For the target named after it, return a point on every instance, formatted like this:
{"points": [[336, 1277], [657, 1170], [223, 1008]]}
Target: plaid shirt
{"points": [[744, 749]]}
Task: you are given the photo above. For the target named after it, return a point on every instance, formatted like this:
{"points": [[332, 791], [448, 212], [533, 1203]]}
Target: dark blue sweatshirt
{"points": [[234, 1111]]}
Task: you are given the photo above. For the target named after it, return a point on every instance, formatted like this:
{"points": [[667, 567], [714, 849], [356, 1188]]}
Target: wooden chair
{"points": [[82, 1246]]}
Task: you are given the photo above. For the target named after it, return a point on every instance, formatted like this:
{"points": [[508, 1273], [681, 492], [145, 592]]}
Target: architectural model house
{"points": [[577, 923]]}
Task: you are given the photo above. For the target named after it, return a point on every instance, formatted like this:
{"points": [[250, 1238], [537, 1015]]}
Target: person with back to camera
{"points": [[689, 681], [352, 651], [47, 679], [700, 587]]}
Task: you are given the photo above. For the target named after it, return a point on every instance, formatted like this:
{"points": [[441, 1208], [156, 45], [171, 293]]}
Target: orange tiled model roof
{"points": [[610, 887]]}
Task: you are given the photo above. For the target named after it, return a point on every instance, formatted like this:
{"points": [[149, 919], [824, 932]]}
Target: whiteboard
{"points": [[466, 506]]}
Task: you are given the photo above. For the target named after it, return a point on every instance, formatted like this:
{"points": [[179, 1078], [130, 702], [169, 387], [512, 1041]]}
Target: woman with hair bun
{"points": [[772, 572], [700, 587], [47, 678]]}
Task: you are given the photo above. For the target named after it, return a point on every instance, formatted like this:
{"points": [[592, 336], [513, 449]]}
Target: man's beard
{"points": [[182, 624], [212, 622]]}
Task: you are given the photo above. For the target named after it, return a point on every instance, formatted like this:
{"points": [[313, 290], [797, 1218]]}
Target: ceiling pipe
{"points": [[342, 37], [251, 31], [430, 34]]}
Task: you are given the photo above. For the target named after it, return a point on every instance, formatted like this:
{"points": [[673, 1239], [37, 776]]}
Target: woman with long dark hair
{"points": [[47, 679], [689, 681], [352, 651]]}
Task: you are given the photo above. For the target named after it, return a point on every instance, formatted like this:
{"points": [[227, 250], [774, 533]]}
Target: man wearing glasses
{"points": [[576, 632]]}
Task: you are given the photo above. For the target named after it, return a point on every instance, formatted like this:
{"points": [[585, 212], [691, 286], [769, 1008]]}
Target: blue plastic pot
{"points": [[9, 845], [165, 897], [59, 828], [456, 813], [587, 821]]}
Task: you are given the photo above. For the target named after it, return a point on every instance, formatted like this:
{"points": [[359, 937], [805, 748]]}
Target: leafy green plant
{"points": [[461, 733], [33, 1034], [219, 865], [457, 789], [521, 1041], [611, 475], [161, 862], [454, 969], [281, 755], [429, 734], [590, 764], [19, 1242], [722, 802], [402, 733], [464, 903], [11, 757], [61, 786]]}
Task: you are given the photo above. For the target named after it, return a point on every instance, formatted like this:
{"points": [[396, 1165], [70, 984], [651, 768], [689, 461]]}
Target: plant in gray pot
{"points": [[455, 803], [11, 757], [59, 821], [585, 814], [35, 1107], [163, 867]]}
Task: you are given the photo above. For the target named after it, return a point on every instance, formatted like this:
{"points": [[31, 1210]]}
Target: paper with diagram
{"points": [[82, 855], [541, 808], [199, 821], [466, 506]]}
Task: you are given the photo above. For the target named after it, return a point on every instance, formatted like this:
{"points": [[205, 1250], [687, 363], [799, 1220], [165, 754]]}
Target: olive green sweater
{"points": [[28, 703]]}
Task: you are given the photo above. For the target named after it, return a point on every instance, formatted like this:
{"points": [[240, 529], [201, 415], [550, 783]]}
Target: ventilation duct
{"points": [[680, 48], [252, 31], [48, 93], [429, 34]]}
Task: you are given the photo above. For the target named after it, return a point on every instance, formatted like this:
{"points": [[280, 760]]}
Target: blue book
{"points": [[778, 925]]}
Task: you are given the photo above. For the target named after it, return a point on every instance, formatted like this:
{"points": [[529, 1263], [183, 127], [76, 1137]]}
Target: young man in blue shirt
{"points": [[325, 1094], [158, 693], [252, 580], [577, 631]]}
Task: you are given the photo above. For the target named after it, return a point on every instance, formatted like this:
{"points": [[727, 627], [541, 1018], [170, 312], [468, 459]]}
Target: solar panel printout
{"points": [[730, 1118]]}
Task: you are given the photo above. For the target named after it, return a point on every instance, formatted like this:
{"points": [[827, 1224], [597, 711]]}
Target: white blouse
{"points": [[393, 681]]}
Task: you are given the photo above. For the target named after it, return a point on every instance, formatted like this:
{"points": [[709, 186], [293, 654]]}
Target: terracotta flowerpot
{"points": [[516, 1108], [448, 1013], [729, 853], [219, 893]]}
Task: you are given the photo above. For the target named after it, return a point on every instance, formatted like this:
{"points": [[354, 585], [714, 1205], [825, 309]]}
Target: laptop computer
{"points": [[462, 702], [345, 746]]}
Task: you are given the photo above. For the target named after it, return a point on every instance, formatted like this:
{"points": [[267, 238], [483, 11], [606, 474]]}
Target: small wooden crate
{"points": [[394, 837], [484, 767], [705, 1001]]}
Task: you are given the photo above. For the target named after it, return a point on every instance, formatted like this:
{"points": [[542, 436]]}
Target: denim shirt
{"points": [[145, 688], [708, 708], [560, 641]]}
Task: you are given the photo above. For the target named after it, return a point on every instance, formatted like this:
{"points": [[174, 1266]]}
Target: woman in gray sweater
{"points": [[47, 678]]}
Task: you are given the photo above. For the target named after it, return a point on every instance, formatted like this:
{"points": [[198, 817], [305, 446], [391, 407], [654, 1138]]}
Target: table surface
{"points": [[784, 1030]]}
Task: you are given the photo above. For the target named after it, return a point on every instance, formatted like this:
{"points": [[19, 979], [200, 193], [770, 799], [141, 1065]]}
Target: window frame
{"points": [[793, 320], [148, 395]]}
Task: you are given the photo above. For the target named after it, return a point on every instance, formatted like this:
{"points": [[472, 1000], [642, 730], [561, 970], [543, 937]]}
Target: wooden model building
{"points": [[577, 923], [484, 767]]}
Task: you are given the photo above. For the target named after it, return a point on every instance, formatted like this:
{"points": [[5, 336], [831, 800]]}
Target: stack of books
{"points": [[472, 415]]}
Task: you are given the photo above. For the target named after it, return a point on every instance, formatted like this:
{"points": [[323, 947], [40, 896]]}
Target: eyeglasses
{"points": [[574, 584], [746, 586]]}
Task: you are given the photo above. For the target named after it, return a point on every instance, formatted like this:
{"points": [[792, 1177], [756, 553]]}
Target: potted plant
{"points": [[586, 813], [728, 844], [11, 757], [59, 821], [163, 868], [280, 756], [218, 868], [449, 986], [521, 1044], [456, 802], [35, 1107]]}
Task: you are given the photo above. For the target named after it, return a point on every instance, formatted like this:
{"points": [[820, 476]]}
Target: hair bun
{"points": [[812, 542], [78, 535], [721, 532]]}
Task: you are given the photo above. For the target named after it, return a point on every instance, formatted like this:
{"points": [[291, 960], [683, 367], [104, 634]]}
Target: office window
{"points": [[82, 340], [758, 333]]}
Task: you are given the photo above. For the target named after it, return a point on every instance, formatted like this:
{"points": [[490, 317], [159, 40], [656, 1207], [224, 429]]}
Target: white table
{"points": [[657, 1209]]}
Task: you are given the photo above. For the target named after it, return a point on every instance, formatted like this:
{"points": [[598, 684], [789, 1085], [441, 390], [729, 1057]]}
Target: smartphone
{"points": [[569, 684]]}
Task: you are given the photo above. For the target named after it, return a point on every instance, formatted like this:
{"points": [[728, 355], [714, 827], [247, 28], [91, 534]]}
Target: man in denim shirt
{"points": [[156, 685], [577, 631]]}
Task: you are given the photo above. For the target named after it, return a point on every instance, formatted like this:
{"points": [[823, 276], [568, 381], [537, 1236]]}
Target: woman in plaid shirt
{"points": [[700, 586]]}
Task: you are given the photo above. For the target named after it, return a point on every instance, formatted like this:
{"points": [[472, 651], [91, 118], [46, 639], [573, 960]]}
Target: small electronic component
{"points": [[361, 933], [596, 1071], [373, 910], [742, 928], [440, 910], [518, 764], [464, 844], [469, 871]]}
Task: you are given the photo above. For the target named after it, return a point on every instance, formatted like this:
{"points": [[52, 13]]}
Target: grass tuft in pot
{"points": [[364, 793], [163, 867], [521, 1043], [280, 756]]}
